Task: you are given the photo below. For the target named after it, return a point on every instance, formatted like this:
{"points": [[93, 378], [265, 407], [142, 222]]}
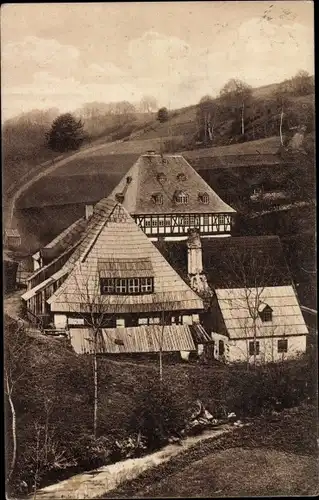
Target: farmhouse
{"points": [[254, 312], [167, 197], [117, 279]]}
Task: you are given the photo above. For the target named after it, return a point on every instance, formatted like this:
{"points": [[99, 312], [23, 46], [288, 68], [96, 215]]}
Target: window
{"points": [[161, 177], [185, 220], [167, 221], [146, 284], [203, 198], [161, 222], [221, 348], [157, 198], [282, 345], [252, 348], [147, 223], [133, 285], [122, 286], [154, 222], [181, 177], [181, 198], [107, 286], [206, 220], [193, 220], [266, 314], [221, 219]]}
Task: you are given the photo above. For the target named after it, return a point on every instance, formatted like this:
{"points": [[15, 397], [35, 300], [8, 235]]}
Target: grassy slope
{"points": [[240, 464]]}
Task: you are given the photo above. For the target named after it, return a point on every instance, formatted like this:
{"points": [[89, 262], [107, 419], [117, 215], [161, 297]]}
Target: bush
{"points": [[158, 415], [90, 452], [162, 115]]}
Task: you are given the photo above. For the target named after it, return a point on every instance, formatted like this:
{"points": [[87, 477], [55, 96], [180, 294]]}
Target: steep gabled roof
{"points": [[153, 174], [112, 234], [287, 318]]}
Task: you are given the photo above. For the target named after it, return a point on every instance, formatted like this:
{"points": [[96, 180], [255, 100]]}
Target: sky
{"points": [[63, 55]]}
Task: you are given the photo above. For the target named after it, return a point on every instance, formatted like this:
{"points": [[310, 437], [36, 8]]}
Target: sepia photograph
{"points": [[159, 250]]}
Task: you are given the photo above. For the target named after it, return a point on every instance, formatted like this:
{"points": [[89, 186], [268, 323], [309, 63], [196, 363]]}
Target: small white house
{"points": [[265, 324]]}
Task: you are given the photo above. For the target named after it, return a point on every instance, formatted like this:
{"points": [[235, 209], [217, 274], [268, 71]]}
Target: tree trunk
{"points": [[14, 431], [160, 365], [205, 128], [280, 127], [242, 119], [95, 392], [255, 342]]}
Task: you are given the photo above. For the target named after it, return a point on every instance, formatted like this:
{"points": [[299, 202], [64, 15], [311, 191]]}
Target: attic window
{"points": [[181, 198], [203, 198], [266, 314], [161, 177], [126, 286], [181, 177], [157, 198]]}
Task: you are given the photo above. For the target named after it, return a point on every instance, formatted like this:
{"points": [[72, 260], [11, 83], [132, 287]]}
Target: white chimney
{"points": [[88, 211], [195, 259]]}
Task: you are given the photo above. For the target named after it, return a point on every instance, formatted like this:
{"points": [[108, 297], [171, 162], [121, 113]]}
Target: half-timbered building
{"points": [[167, 197]]}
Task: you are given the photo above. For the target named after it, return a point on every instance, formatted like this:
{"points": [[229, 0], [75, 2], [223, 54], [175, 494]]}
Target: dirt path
{"points": [[96, 483]]}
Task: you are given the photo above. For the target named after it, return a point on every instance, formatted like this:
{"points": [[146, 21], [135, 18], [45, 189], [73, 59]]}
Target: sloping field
{"points": [[91, 177], [268, 146]]}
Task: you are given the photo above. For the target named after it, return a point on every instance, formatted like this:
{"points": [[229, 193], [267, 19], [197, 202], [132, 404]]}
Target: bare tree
{"points": [[94, 310], [16, 345], [236, 91], [249, 276], [148, 104], [206, 116]]}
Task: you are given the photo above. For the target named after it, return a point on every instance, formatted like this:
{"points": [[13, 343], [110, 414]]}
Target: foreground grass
{"points": [[275, 456]]}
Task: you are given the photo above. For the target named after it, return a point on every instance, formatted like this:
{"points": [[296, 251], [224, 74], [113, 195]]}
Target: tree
{"points": [[302, 83], [207, 114], [237, 92], [95, 312], [162, 115], [148, 104], [281, 96], [66, 133], [253, 272], [16, 345]]}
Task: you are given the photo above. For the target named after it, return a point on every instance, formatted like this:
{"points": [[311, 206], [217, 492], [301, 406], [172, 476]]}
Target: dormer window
{"points": [[181, 197], [157, 198], [126, 286], [161, 177], [203, 198], [266, 314], [181, 177]]}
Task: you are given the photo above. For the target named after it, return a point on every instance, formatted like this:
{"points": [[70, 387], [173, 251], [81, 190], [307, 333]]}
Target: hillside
{"points": [[24, 136]]}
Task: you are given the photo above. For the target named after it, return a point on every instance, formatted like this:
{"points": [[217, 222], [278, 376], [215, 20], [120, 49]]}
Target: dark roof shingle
{"points": [[153, 174]]}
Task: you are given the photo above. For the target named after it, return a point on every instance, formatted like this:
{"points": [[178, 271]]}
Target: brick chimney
{"points": [[88, 211]]}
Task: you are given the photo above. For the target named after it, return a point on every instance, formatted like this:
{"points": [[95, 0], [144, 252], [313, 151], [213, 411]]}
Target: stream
{"points": [[98, 482]]}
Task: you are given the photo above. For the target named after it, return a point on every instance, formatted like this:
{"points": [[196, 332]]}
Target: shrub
{"points": [[158, 415], [90, 452], [162, 115]]}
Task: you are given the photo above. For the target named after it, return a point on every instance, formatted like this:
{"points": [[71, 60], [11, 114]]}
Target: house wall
{"points": [[122, 321], [238, 349], [177, 225]]}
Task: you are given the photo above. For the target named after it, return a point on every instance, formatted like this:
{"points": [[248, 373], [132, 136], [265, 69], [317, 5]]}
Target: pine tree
{"points": [[66, 133]]}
